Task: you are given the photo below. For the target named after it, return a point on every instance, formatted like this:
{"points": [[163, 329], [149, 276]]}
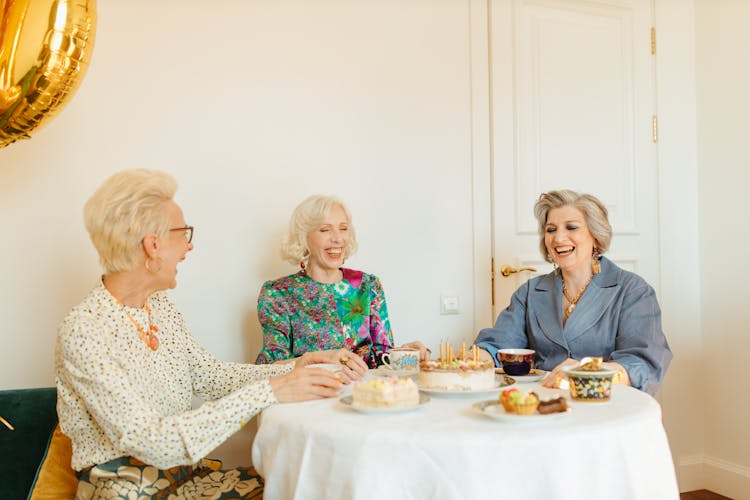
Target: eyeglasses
{"points": [[188, 232]]}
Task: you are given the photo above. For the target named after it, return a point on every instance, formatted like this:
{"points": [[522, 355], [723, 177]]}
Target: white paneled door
{"points": [[572, 106]]}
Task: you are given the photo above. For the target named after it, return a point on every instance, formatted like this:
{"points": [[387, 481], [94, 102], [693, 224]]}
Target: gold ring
{"points": [[343, 359]]}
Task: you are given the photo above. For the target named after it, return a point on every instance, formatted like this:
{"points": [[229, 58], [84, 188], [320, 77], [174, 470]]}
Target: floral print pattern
{"points": [[131, 479], [299, 314]]}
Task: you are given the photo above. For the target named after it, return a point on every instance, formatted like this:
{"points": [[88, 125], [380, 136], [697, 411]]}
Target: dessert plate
{"points": [[500, 382], [493, 409], [347, 401], [533, 376]]}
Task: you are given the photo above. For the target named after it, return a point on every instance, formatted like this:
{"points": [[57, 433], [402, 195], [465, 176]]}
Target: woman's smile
{"points": [[568, 239], [328, 243]]}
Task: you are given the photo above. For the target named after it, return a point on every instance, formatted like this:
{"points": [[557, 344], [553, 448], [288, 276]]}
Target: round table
{"points": [[447, 449]]}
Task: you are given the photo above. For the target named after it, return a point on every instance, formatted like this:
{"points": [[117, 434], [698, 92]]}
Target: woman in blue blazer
{"points": [[587, 306]]}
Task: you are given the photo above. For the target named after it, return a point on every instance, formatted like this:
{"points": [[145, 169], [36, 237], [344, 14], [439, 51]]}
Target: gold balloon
{"points": [[45, 49]]}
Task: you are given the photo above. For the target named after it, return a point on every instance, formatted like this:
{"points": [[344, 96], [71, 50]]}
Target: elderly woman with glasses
{"points": [[127, 367], [325, 305]]}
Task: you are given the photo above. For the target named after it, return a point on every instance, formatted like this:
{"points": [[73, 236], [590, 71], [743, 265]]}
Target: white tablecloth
{"points": [[446, 450]]}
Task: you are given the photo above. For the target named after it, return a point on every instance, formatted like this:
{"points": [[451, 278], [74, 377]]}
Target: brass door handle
{"points": [[506, 270]]}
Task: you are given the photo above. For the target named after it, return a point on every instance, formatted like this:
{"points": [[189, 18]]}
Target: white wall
{"points": [[723, 83], [679, 235], [253, 106]]}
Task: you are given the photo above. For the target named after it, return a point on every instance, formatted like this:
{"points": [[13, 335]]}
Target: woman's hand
{"points": [[303, 384], [353, 366], [485, 355], [424, 353], [553, 378], [622, 376]]}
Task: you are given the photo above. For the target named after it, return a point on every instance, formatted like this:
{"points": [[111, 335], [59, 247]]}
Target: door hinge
{"points": [[492, 280], [653, 40], [654, 129]]}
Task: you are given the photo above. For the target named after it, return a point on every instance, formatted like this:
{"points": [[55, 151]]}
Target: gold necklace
{"points": [[150, 338], [574, 301]]}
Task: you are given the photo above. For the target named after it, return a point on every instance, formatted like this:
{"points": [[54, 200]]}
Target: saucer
{"points": [[383, 371], [533, 376]]}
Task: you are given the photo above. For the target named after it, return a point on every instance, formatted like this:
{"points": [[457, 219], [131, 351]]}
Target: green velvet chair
{"points": [[33, 414]]}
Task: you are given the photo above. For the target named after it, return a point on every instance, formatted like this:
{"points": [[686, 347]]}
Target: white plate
{"points": [[347, 401], [500, 382], [534, 376], [383, 371], [493, 409]]}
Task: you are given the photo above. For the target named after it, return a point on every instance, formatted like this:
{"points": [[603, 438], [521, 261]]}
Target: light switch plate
{"points": [[449, 304]]}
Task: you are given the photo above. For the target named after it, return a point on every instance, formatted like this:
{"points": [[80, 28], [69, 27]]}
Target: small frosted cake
{"points": [[457, 375], [388, 392]]}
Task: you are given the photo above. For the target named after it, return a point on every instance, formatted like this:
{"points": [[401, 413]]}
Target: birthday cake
{"points": [[457, 375], [463, 371], [388, 392]]}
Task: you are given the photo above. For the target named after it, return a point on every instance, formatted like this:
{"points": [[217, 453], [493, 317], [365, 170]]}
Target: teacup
{"points": [[402, 359], [516, 361], [590, 386], [337, 369]]}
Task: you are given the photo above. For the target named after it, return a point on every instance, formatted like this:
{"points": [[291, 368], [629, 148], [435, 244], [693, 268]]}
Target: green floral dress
{"points": [[299, 314]]}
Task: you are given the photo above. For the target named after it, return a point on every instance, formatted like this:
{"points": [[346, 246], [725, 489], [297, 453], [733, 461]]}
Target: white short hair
{"points": [[127, 207], [307, 217]]}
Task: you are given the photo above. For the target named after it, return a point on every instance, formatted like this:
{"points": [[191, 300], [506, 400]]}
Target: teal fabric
{"points": [[33, 414]]}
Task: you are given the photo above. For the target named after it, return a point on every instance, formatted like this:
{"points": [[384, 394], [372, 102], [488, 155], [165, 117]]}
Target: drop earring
{"points": [[596, 265]]}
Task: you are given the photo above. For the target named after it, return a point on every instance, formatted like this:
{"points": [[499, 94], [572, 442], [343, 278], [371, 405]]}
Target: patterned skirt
{"points": [[128, 478]]}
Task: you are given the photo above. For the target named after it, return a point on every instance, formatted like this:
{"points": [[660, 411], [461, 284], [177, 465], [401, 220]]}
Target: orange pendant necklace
{"points": [[149, 337]]}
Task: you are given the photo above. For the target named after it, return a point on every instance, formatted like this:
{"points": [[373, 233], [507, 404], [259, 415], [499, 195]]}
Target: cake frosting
{"points": [[457, 375], [387, 392]]}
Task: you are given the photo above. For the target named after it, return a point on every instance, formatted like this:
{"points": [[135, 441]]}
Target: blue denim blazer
{"points": [[618, 318]]}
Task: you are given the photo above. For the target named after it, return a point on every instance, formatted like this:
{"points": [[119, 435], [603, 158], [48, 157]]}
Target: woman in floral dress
{"points": [[127, 368], [324, 305]]}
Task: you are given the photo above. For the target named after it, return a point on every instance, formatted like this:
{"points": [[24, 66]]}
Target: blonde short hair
{"points": [[594, 213], [307, 217], [127, 207]]}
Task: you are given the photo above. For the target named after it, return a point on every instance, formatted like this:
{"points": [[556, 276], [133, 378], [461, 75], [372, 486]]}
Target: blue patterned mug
{"points": [[402, 359]]}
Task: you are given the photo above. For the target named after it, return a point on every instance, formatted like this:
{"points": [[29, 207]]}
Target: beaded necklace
{"points": [[574, 301], [150, 338]]}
